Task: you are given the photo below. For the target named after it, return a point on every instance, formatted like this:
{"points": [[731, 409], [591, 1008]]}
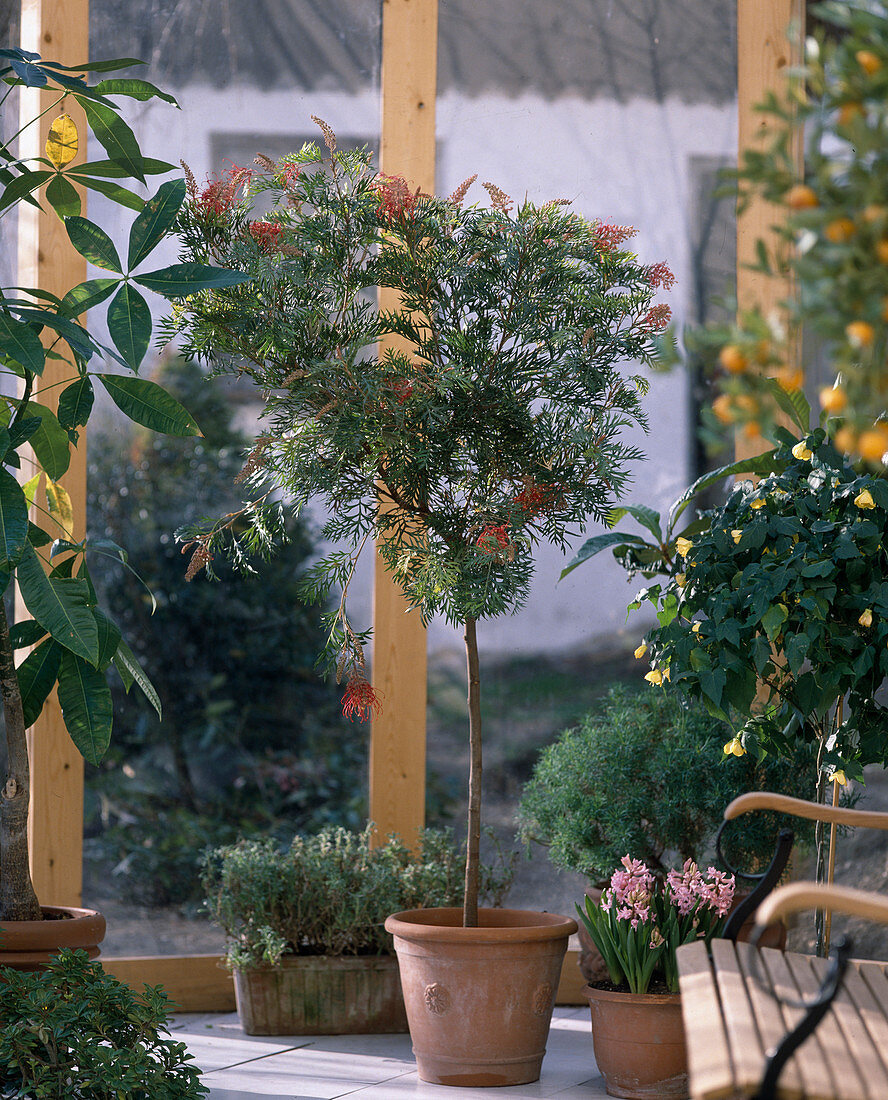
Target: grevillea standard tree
{"points": [[494, 425]]}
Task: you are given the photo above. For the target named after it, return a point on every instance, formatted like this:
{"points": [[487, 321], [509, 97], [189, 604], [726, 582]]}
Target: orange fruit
{"points": [[882, 250], [833, 399], [790, 378], [845, 440], [873, 443], [860, 333], [885, 309], [873, 212], [721, 406], [848, 112], [801, 197], [752, 430], [733, 359], [868, 61], [839, 230], [746, 402]]}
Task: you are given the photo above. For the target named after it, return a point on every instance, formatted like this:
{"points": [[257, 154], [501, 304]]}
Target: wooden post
{"points": [[407, 148], [763, 53], [59, 31]]}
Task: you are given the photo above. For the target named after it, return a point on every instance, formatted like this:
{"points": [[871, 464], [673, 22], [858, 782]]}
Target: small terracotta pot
{"points": [[29, 944], [479, 1000], [316, 995], [639, 1044]]}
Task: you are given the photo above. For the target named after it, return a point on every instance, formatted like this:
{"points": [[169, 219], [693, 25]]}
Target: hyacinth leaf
{"points": [[130, 670], [13, 519], [86, 295], [62, 141], [49, 440], [26, 633], [596, 544], [37, 675], [114, 191], [156, 219], [129, 325], [110, 170], [135, 89], [180, 280], [18, 341], [85, 699], [22, 186], [93, 243], [59, 605], [75, 403], [62, 197], [149, 404], [116, 137]]}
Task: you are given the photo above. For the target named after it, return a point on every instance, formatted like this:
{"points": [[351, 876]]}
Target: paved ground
{"points": [[370, 1067]]}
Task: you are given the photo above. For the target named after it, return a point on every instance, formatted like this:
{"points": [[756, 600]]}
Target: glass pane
{"points": [[628, 110], [251, 739]]}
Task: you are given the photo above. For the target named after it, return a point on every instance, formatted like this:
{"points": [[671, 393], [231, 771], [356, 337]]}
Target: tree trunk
{"points": [[473, 834], [17, 898]]}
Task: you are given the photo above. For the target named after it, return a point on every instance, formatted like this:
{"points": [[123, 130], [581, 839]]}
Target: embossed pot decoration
{"points": [[639, 1044], [479, 1000]]}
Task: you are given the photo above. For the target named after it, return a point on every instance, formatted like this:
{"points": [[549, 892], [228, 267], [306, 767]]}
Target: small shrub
{"points": [[647, 775], [329, 894], [72, 1032]]}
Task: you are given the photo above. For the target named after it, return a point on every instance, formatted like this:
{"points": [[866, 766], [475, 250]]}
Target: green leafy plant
{"points": [[74, 641], [619, 781], [73, 1032], [642, 920], [493, 425], [330, 893]]}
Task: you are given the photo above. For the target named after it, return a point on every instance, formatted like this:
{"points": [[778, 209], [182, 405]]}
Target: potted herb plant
{"points": [[307, 944], [73, 643], [499, 426], [641, 921]]}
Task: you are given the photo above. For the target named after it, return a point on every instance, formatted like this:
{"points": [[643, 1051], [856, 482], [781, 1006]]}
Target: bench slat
{"points": [[772, 1018], [874, 1020], [745, 1044], [710, 1071]]}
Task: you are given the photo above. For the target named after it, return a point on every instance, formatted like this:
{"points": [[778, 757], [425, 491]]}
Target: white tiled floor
{"points": [[371, 1067]]}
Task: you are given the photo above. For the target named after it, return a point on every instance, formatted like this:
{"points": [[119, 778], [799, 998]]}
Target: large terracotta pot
{"points": [[29, 944], [639, 1044], [316, 995], [479, 1000]]}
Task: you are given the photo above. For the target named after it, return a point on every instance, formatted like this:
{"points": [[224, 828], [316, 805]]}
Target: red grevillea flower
{"points": [[219, 194], [659, 275], [396, 201], [535, 498], [606, 237], [359, 699], [402, 389], [266, 235], [656, 318], [493, 539]]}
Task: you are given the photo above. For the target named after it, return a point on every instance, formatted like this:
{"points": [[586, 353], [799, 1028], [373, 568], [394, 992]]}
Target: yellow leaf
{"points": [[60, 506], [61, 145]]}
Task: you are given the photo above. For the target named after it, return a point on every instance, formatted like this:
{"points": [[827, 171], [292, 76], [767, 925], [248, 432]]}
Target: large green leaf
{"points": [[110, 66], [75, 403], [93, 243], [109, 170], [62, 196], [50, 441], [109, 638], [26, 632], [116, 137], [114, 191], [37, 675], [647, 517], [78, 338], [761, 464], [179, 280], [85, 699], [20, 342], [130, 670], [22, 186], [149, 404], [596, 544], [59, 605], [136, 89], [86, 295], [157, 217], [129, 325], [13, 520], [794, 404]]}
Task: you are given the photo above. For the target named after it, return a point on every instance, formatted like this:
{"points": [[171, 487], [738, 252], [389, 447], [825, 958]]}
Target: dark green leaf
{"points": [[647, 517], [60, 605], [761, 464], [50, 441], [18, 341], [31, 75], [37, 536], [121, 195], [85, 699], [37, 675], [596, 544], [13, 520], [713, 685], [155, 220], [773, 619], [93, 243], [149, 404], [22, 186], [75, 403], [179, 280], [86, 295], [129, 325], [26, 632], [136, 89], [116, 137], [128, 667], [794, 404], [78, 338], [110, 170], [109, 638], [110, 66], [62, 196]]}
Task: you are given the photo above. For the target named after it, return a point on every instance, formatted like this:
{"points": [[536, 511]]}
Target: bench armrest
{"points": [[797, 896], [798, 807]]}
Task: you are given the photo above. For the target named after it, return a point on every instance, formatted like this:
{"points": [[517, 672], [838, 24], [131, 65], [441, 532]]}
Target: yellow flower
{"points": [[801, 452], [866, 619], [682, 546], [757, 503], [695, 629], [654, 677], [681, 579], [839, 777], [666, 673], [865, 499], [734, 747], [642, 649], [737, 534]]}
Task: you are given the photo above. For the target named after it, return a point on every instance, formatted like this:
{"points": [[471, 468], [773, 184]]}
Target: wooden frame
{"points": [[60, 28]]}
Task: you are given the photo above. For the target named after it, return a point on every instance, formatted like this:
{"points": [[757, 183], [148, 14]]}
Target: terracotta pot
{"points": [[639, 1044], [479, 1000], [29, 944], [317, 995]]}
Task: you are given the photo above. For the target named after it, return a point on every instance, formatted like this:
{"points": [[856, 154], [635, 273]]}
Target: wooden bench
{"points": [[740, 1003]]}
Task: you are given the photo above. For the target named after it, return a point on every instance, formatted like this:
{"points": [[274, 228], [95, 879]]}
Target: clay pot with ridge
{"points": [[29, 944]]}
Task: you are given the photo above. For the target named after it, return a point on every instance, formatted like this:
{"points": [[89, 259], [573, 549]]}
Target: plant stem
{"points": [[17, 898], [820, 844], [473, 832]]}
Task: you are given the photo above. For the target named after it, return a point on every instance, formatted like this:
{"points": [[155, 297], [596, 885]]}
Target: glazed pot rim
{"points": [[495, 925], [591, 993]]}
